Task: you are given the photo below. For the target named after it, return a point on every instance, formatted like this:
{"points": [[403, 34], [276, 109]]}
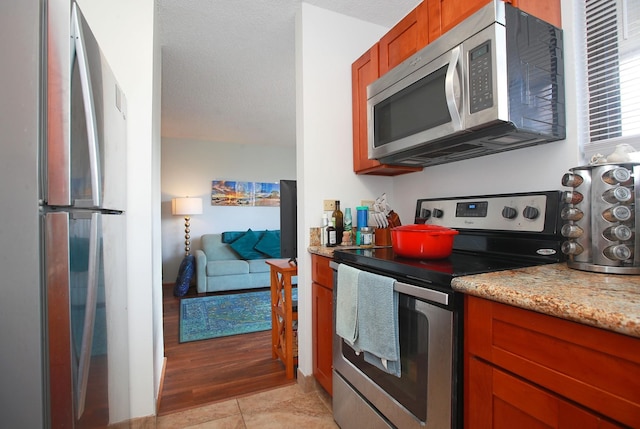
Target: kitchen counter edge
{"points": [[328, 251], [606, 301]]}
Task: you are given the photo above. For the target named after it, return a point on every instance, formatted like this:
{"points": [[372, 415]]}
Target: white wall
{"points": [[538, 168], [126, 33], [327, 44], [188, 167]]}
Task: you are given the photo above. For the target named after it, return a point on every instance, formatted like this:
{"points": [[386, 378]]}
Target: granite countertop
{"points": [[328, 251], [605, 301]]}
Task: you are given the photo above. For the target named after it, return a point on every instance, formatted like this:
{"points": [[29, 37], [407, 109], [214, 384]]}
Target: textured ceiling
{"points": [[228, 66]]}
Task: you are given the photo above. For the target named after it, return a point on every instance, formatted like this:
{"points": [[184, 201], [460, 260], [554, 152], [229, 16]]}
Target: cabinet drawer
{"points": [[500, 400], [596, 368], [321, 272]]}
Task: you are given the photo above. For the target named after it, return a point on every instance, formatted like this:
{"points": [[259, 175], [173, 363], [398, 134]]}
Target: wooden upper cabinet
{"points": [[452, 12], [546, 10], [423, 25], [434, 16], [363, 72], [405, 39]]}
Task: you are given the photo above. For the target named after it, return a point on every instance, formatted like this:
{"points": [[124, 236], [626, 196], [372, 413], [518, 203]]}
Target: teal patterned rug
{"points": [[216, 316]]}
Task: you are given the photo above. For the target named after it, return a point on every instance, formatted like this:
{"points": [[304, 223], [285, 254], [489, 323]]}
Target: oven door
{"points": [[425, 395]]}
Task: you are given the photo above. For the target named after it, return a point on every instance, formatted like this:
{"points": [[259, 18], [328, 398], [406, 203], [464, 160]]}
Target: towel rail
{"points": [[412, 290]]}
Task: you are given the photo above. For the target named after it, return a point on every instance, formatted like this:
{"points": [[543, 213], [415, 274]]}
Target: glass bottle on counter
{"points": [[325, 224], [332, 238], [366, 237], [348, 227], [348, 221], [339, 221]]}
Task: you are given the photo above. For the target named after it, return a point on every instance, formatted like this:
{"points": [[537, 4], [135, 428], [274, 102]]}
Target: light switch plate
{"points": [[367, 203], [329, 205]]}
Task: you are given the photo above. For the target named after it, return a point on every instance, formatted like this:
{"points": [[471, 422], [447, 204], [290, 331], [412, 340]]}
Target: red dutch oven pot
{"points": [[422, 241]]}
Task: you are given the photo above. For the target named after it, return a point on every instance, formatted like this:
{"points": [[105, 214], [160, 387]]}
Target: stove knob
{"points": [[437, 213], [509, 212], [530, 212], [425, 213]]}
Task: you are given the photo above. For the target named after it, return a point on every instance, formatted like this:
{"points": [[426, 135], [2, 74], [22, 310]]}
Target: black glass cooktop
{"points": [[430, 271]]}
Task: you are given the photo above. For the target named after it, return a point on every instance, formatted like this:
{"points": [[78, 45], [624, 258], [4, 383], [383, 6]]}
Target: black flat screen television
{"points": [[288, 220]]}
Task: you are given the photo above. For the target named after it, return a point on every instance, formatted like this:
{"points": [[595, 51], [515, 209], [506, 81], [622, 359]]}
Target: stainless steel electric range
{"points": [[496, 232]]}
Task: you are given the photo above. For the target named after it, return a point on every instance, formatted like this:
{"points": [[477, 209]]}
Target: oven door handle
{"points": [[414, 291], [421, 292]]}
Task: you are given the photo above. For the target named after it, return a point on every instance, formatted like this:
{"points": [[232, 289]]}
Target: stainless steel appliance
{"points": [[600, 217], [82, 206], [497, 232], [495, 82]]}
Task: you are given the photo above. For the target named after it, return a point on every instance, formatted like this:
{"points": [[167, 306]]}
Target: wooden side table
{"points": [[283, 313]]}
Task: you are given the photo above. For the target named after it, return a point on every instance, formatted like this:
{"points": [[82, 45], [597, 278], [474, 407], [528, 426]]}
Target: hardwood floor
{"points": [[202, 372]]}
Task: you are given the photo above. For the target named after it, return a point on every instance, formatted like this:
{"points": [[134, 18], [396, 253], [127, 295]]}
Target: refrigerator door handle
{"points": [[89, 107], [90, 312]]}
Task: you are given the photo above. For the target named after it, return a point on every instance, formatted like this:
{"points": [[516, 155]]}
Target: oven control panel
{"points": [[518, 212]]}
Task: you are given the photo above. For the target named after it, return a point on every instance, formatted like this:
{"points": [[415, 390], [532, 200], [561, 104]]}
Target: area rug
{"points": [[216, 316]]}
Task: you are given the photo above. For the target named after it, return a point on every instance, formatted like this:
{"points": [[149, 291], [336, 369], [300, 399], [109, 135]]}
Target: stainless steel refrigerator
{"points": [[83, 209]]}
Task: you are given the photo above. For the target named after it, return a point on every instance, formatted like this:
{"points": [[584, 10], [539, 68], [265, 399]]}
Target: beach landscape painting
{"points": [[247, 194]]}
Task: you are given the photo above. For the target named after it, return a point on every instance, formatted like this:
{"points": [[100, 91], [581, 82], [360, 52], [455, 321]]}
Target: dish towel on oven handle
{"points": [[347, 303], [377, 322]]}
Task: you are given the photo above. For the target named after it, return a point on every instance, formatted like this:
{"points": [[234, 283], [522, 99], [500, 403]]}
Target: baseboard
{"points": [[148, 422], [308, 383]]}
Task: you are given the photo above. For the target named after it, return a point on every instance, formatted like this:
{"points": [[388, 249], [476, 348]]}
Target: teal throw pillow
{"points": [[269, 244], [244, 246]]}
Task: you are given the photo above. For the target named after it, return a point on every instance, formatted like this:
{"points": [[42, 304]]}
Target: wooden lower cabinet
{"points": [[322, 295], [527, 370], [498, 399]]}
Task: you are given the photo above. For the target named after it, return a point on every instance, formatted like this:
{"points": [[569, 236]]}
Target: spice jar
{"points": [[366, 237]]}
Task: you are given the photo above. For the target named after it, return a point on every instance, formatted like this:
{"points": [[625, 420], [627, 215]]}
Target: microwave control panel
{"points": [[480, 78]]}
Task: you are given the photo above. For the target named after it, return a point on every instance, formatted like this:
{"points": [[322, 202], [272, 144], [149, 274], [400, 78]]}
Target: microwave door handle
{"points": [[451, 86], [89, 108]]}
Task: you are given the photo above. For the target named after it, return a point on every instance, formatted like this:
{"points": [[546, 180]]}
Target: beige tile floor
{"points": [[285, 407]]}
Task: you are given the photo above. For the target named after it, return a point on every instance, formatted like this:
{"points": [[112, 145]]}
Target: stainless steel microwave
{"points": [[493, 83]]}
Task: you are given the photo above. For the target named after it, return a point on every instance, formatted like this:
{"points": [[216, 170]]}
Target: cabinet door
{"points": [[589, 366], [496, 400], [363, 72], [405, 39], [435, 17], [452, 12], [321, 272], [547, 10], [322, 335]]}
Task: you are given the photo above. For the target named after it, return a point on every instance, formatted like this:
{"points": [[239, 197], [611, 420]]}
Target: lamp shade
{"points": [[186, 206]]}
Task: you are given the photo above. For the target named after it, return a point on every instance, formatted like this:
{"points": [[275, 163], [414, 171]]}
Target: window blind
{"points": [[613, 74]]}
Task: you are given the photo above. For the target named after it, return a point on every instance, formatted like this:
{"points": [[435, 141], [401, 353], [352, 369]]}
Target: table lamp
{"points": [[186, 207]]}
